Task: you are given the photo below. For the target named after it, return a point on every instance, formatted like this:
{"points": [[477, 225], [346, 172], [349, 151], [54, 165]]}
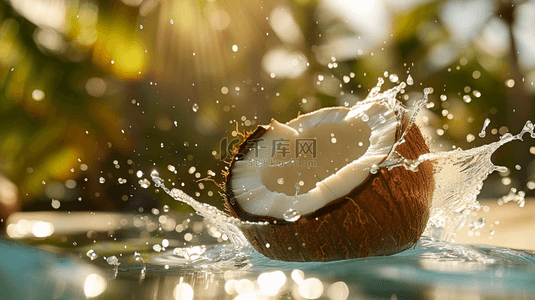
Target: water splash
{"points": [[138, 258], [114, 262], [514, 196], [459, 175], [451, 204], [226, 223]]}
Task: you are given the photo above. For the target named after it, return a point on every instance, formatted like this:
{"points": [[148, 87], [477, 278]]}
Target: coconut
{"points": [[322, 189]]}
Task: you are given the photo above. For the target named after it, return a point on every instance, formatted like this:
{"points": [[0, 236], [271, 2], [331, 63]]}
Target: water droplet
{"points": [[172, 22], [374, 168], [291, 215], [137, 257], [144, 183], [280, 180], [140, 26], [113, 260], [55, 204], [333, 140], [195, 107], [393, 78], [268, 245], [365, 118], [157, 248], [467, 98], [101, 180], [382, 119], [485, 124], [510, 83], [38, 95], [92, 254], [410, 81], [166, 208]]}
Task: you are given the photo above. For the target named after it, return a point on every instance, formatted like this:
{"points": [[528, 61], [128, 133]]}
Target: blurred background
{"points": [[94, 95]]}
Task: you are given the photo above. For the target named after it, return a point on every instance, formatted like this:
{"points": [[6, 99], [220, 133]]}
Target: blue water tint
{"points": [[430, 265], [29, 273], [430, 269], [481, 269]]}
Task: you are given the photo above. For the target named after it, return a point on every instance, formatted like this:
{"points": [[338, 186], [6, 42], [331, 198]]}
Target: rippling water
{"points": [[431, 269]]}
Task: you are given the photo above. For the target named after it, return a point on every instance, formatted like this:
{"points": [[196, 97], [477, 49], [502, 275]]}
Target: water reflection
{"points": [[94, 285], [208, 267], [183, 291], [432, 269], [426, 271], [29, 273]]}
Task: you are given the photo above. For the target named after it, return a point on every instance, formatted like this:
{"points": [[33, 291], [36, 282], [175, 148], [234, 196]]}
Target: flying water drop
{"points": [[291, 215], [485, 124], [138, 258], [410, 81], [144, 183], [113, 261], [92, 254]]}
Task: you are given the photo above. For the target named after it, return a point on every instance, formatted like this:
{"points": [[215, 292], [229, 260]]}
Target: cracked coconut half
{"points": [[317, 185]]}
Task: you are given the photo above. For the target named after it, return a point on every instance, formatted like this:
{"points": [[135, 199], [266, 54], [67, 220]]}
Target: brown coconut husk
{"points": [[384, 215]]}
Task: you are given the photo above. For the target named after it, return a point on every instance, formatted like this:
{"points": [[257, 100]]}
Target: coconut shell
{"points": [[384, 215]]}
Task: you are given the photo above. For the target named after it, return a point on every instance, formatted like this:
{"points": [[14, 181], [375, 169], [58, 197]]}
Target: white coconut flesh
{"points": [[271, 181]]}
